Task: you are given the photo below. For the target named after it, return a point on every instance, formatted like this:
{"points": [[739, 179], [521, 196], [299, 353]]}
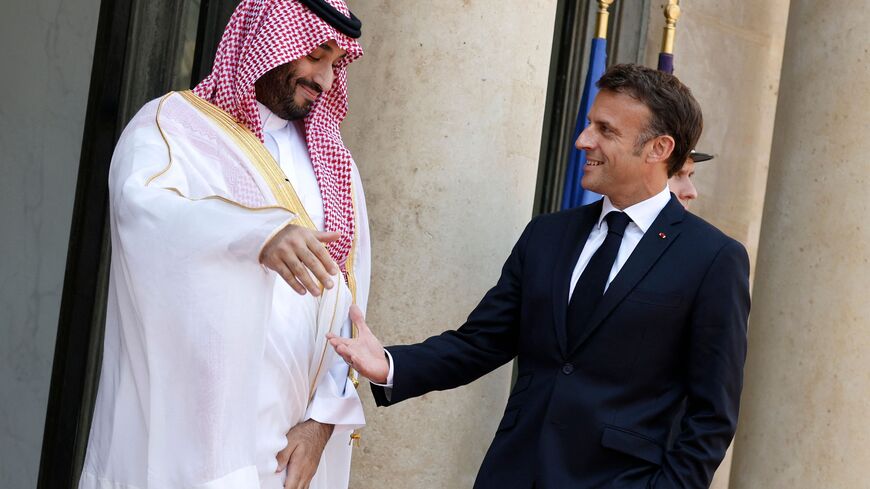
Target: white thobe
{"points": [[335, 400], [209, 357]]}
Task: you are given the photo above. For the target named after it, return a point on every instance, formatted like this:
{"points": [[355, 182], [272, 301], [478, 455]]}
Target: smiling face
{"points": [[290, 90], [623, 161], [681, 183]]}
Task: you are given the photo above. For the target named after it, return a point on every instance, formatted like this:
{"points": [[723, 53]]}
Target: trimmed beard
{"points": [[277, 91]]}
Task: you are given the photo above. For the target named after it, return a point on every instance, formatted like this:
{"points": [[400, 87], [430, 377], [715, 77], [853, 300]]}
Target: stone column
{"points": [[805, 404], [446, 111]]}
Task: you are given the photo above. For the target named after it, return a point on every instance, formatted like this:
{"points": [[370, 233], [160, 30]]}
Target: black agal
{"points": [[332, 16]]}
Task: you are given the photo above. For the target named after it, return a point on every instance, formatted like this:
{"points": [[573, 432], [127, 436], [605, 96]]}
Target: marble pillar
{"points": [[804, 421], [446, 112]]}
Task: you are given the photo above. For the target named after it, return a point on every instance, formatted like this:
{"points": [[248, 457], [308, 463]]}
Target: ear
{"points": [[661, 148]]}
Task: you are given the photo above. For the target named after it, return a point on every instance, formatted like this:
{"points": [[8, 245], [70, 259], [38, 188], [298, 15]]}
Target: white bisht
{"points": [[186, 377]]}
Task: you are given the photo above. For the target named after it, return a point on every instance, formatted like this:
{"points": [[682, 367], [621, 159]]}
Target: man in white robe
{"points": [[216, 373]]}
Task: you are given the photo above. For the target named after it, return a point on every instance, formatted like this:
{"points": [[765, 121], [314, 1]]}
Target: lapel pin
{"points": [[663, 235]]}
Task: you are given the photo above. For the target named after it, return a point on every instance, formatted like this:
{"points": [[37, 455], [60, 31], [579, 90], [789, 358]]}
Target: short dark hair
{"points": [[674, 111]]}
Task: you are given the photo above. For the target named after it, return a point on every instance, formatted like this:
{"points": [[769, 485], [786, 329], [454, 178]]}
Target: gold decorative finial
{"points": [[672, 13], [601, 22]]}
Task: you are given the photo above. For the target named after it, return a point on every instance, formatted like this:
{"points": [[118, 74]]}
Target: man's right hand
{"points": [[365, 354], [296, 252]]}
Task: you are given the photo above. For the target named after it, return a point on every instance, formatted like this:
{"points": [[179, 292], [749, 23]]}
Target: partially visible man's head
{"points": [[290, 90], [642, 127], [681, 183]]}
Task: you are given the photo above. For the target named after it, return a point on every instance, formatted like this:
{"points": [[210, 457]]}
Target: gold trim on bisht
{"points": [[351, 284], [355, 436], [602, 18], [257, 153], [178, 191], [672, 13]]}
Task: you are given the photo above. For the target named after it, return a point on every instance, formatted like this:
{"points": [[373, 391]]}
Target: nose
{"points": [[584, 140], [324, 76], [690, 193]]}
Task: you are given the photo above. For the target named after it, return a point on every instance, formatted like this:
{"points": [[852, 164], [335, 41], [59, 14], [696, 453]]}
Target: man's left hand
{"points": [[305, 443], [365, 354]]}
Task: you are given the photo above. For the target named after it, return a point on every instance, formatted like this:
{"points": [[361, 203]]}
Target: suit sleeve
{"points": [[487, 340], [716, 354]]}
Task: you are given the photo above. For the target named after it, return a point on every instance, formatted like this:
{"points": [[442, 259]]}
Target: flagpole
{"points": [[672, 13], [666, 56], [601, 20]]}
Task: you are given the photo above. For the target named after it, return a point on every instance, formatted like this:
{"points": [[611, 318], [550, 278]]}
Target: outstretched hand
{"points": [[296, 253], [365, 354]]}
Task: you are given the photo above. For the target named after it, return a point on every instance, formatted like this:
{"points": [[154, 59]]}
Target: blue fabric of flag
{"points": [[574, 195], [666, 62]]}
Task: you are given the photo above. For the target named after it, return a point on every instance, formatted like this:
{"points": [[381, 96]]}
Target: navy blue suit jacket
{"points": [[648, 396]]}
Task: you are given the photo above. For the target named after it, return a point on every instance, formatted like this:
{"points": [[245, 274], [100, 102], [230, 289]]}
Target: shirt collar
{"points": [[643, 213], [270, 121]]}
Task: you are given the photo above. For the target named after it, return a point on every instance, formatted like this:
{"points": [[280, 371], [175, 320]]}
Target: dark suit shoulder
{"points": [[562, 218], [715, 239]]}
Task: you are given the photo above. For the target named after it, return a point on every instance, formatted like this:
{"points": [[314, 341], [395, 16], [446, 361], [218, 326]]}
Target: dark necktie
{"points": [[590, 287]]}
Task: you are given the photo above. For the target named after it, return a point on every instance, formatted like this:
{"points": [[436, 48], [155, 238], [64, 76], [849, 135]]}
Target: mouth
{"points": [[307, 92], [592, 162]]}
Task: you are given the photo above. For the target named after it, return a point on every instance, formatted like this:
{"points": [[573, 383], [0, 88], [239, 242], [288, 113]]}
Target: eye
{"points": [[313, 58]]}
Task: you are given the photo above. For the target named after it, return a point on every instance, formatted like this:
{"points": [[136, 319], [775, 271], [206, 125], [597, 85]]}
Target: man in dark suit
{"points": [[627, 318]]}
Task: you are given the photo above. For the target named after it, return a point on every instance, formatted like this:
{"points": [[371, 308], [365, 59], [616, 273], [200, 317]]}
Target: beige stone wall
{"points": [[446, 110], [804, 422]]}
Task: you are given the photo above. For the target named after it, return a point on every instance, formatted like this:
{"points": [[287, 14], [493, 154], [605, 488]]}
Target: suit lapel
{"points": [[663, 231], [572, 245]]}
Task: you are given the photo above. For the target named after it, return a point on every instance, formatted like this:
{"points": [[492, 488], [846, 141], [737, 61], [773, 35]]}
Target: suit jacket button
{"points": [[567, 369]]}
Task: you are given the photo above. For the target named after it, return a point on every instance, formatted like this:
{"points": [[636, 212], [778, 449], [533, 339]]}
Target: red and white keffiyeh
{"points": [[262, 35]]}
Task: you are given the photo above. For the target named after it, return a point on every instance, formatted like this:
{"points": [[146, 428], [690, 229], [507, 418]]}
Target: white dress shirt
{"points": [[642, 216]]}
